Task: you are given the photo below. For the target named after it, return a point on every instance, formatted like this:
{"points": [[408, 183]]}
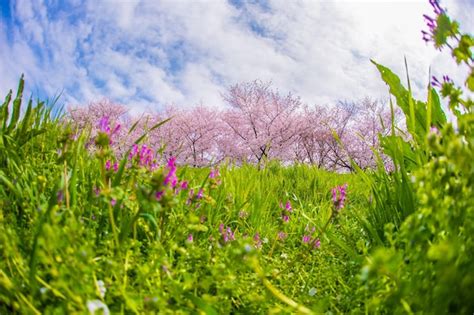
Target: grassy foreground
{"points": [[80, 235]]}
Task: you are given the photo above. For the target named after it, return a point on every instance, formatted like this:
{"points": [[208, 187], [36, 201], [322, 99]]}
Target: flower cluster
{"points": [[257, 241], [108, 166], [339, 196], [429, 35], [227, 234], [310, 239], [106, 131], [144, 155], [436, 83], [286, 210]]}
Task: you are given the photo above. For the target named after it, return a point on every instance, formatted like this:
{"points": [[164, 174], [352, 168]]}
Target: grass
{"points": [[81, 237]]}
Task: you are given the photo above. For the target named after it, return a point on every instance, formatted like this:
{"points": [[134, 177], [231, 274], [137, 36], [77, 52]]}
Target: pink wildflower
{"points": [[282, 235]]}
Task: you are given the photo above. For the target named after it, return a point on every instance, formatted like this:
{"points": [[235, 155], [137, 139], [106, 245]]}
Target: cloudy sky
{"points": [[146, 54]]}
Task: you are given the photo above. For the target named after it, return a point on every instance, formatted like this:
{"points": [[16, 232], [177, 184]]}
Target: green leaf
{"points": [[4, 110], [470, 82], [17, 105]]}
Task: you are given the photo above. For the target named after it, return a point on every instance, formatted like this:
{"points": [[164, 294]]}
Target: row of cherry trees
{"points": [[259, 124]]}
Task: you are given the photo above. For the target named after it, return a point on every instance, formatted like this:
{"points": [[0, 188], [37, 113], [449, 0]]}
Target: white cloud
{"points": [[147, 54]]}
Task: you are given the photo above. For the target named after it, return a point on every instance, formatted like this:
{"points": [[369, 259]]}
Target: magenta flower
{"points": [[104, 125], [288, 206], [285, 218], [159, 194], [190, 238], [171, 178], [116, 166], [306, 239], [107, 165], [133, 152], [184, 185], [339, 196], [113, 202], [214, 173], [317, 243], [199, 194]]}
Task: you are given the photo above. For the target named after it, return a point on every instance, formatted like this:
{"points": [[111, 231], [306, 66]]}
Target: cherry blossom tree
{"points": [[261, 120]]}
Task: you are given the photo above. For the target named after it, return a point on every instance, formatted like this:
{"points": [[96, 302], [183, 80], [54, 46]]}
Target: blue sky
{"points": [[146, 54]]}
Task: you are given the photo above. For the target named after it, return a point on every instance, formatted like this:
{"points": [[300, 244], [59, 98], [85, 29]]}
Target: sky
{"points": [[148, 54]]}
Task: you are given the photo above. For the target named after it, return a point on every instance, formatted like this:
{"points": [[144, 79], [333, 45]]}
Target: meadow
{"points": [[89, 229]]}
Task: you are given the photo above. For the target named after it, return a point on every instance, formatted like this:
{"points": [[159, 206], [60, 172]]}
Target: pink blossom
{"points": [[190, 238], [107, 165], [306, 238]]}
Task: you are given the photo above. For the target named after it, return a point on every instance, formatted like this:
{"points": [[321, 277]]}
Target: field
{"points": [[88, 229]]}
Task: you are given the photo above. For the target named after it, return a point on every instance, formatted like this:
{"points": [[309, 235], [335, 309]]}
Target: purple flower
{"points": [[133, 152], [288, 206], [171, 177], [113, 202], [214, 173], [104, 125], [159, 194], [435, 82], [447, 79], [199, 194], [257, 240], [116, 166], [107, 165], [282, 235], [317, 243], [190, 238], [60, 196], [184, 185], [436, 7], [306, 239], [227, 234], [285, 218]]}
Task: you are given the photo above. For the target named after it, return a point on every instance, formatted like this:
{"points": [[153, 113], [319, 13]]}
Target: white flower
{"points": [[265, 240], [96, 305], [312, 291], [284, 256], [102, 288]]}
